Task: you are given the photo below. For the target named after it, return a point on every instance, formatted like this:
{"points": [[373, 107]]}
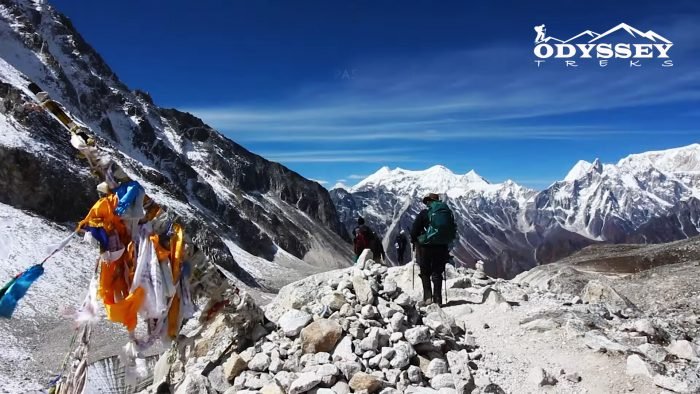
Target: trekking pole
{"points": [[413, 273], [444, 276]]}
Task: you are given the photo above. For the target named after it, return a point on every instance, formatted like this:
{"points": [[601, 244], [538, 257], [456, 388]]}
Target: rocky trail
{"points": [[359, 330]]}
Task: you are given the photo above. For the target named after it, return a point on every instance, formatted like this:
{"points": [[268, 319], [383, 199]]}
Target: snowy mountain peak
{"points": [[578, 170], [473, 177], [436, 179], [340, 185], [683, 159], [597, 166]]}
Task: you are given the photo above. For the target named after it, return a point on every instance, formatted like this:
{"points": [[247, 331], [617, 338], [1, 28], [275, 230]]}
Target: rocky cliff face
{"points": [[247, 214], [645, 198]]}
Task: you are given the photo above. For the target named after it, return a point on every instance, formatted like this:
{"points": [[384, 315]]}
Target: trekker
{"points": [[400, 244], [364, 238], [432, 232]]}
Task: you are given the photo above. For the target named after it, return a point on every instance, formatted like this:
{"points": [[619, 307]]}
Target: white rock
{"points": [[442, 381], [334, 300], [349, 368], [416, 335], [437, 366], [396, 336], [364, 292], [369, 312], [341, 388], [388, 353], [670, 383], [293, 321], [540, 325], [259, 363], [682, 349], [539, 377], [285, 379], [304, 382], [638, 367], [415, 375], [343, 351], [371, 342], [653, 352], [403, 300], [404, 353]]}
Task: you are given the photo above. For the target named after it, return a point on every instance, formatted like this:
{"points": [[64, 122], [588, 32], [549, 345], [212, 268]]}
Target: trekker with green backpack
{"points": [[432, 232]]}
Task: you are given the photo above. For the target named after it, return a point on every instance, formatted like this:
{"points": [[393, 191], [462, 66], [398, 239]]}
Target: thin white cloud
{"points": [[319, 181], [356, 176], [463, 95]]}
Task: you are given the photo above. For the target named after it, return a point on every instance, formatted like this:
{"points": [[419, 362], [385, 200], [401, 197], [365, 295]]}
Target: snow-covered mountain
{"points": [[257, 219], [489, 214], [649, 197]]}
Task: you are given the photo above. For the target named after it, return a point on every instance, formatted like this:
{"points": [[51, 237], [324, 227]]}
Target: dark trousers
{"points": [[400, 253], [432, 261]]}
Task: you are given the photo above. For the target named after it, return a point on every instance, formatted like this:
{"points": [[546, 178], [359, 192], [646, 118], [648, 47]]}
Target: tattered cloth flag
{"points": [[14, 290]]}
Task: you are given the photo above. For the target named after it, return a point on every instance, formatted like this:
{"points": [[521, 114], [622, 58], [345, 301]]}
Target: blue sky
{"points": [[337, 89]]}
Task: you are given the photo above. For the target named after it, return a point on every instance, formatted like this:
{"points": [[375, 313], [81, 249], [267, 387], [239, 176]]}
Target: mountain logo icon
{"points": [[620, 42], [592, 37]]}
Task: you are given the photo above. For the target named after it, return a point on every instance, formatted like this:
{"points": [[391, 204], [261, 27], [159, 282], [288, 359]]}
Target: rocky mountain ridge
{"points": [[246, 213]]}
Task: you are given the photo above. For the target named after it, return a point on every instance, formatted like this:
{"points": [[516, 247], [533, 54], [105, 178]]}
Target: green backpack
{"points": [[442, 229]]}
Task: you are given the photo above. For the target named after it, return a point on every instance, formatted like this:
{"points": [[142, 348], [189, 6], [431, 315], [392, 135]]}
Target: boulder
{"points": [[334, 300], [194, 383], [369, 312], [363, 381], [442, 381], [343, 351], [653, 352], [349, 368], [403, 300], [597, 341], [363, 291], [217, 380], [540, 325], [327, 373], [304, 382], [341, 387], [285, 379], [440, 321], [461, 374], [259, 363], [598, 292], [416, 335], [320, 336], [271, 388], [538, 377], [436, 366], [403, 356], [672, 384], [293, 321], [636, 366], [682, 349]]}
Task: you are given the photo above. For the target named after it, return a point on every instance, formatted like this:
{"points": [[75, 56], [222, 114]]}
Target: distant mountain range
{"points": [[589, 36], [645, 198]]}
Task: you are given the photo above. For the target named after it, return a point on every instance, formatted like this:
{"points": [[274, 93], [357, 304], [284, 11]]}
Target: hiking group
{"points": [[432, 232]]}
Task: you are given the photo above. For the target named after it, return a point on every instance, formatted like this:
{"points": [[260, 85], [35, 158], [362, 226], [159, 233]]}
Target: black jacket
{"points": [[401, 242], [420, 226]]}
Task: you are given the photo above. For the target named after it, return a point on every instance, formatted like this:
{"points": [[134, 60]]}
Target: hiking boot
{"points": [[424, 303], [437, 292]]}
